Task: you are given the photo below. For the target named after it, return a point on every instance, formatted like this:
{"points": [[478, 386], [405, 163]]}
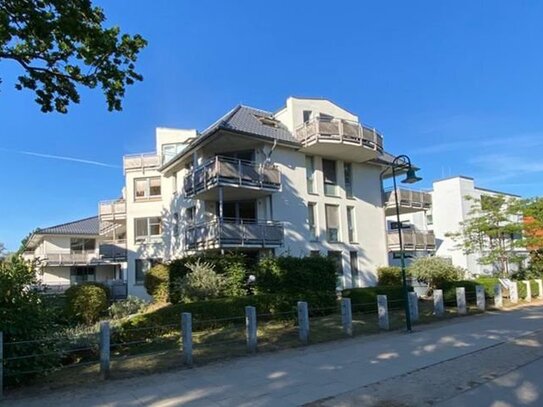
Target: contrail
{"points": [[63, 158]]}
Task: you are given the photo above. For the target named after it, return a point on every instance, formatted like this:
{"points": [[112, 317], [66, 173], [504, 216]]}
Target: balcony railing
{"points": [[412, 240], [340, 130], [116, 207], [61, 259], [140, 161], [408, 198], [226, 171], [114, 250], [231, 233]]}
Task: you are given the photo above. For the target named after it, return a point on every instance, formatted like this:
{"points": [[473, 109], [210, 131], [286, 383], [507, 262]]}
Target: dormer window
{"points": [[268, 121], [307, 115]]}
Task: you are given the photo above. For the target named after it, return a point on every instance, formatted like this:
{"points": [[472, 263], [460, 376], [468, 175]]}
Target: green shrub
{"points": [[365, 299], [489, 283], [296, 275], [434, 271], [129, 306], [157, 282], [202, 283], [449, 291], [522, 289], [87, 302], [389, 276]]}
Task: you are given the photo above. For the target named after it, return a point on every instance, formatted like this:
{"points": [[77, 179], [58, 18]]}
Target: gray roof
{"points": [[87, 226]]}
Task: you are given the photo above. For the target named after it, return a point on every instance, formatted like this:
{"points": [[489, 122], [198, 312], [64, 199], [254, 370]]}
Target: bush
{"points": [[157, 282], [123, 308], [87, 302], [488, 283], [522, 289], [202, 283], [434, 271], [449, 291], [389, 276], [365, 299]]}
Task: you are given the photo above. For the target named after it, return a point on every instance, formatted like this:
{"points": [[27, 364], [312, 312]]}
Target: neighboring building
{"points": [[440, 211], [75, 252]]}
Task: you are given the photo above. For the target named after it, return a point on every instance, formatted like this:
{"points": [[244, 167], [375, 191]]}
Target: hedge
{"points": [[389, 276], [449, 291], [365, 299], [522, 289], [157, 282], [488, 283], [87, 302]]}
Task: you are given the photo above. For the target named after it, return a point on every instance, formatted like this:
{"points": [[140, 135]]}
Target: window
{"points": [[82, 245], [332, 223], [238, 211], [351, 224], [405, 225], [307, 115], [146, 188], [336, 257], [406, 255], [190, 214], [310, 174], [142, 267], [311, 208], [82, 274], [148, 228], [330, 177], [169, 151], [174, 183], [354, 268], [348, 171]]}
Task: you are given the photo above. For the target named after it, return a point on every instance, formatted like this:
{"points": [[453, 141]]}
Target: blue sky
{"points": [[456, 85]]}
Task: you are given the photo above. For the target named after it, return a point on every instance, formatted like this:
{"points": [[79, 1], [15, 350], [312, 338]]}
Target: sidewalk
{"points": [[298, 376]]}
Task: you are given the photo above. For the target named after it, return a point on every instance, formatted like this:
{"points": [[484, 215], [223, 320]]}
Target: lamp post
{"points": [[403, 162]]}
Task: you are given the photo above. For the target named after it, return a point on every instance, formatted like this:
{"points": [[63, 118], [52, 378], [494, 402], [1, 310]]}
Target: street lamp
{"points": [[403, 162]]}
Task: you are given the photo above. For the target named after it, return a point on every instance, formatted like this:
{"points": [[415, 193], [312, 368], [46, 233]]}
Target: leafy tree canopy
{"points": [[61, 44]]}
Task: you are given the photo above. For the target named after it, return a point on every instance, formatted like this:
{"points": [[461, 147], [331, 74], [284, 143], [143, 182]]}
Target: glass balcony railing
{"points": [[412, 240]]}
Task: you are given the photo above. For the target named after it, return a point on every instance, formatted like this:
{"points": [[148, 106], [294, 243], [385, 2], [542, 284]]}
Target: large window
{"points": [[348, 172], [335, 256], [405, 224], [148, 228], [310, 174], [354, 268], [78, 245], [351, 224], [142, 267], [311, 216], [330, 177], [169, 151], [146, 188], [82, 274], [332, 223]]}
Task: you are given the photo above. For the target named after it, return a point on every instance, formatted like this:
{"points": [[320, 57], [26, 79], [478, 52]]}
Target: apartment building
{"points": [[428, 216]]}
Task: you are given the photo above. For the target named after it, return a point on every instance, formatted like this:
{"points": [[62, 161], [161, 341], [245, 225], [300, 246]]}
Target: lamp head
{"points": [[411, 177]]}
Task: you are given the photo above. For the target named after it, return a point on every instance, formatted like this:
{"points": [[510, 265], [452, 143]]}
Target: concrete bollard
{"points": [[513, 293], [104, 349], [186, 337], [528, 291], [461, 301], [413, 306], [303, 322], [439, 308], [382, 312], [539, 289], [480, 294], [498, 296], [347, 316], [250, 328]]}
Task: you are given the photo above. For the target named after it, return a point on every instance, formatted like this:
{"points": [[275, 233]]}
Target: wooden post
{"points": [[480, 294], [250, 328], [498, 296], [186, 335], [539, 288], [528, 291], [303, 322], [439, 308], [104, 350], [347, 316], [413, 306], [513, 292], [382, 312], [461, 301]]}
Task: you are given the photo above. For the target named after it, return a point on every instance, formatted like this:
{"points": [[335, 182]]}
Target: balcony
{"points": [[409, 201], [141, 161], [339, 139], [232, 234], [241, 179], [112, 210], [70, 259], [113, 250], [412, 240]]}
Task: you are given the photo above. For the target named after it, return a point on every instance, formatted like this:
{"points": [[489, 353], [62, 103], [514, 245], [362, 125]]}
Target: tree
{"points": [[434, 271], [61, 44], [493, 230], [533, 233]]}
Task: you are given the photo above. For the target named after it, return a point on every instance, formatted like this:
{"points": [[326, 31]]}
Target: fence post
{"points": [[186, 335], [104, 349], [413, 306], [303, 322], [498, 296], [382, 311], [347, 316], [461, 301], [528, 291], [513, 292], [250, 328], [439, 308], [539, 288], [480, 294]]}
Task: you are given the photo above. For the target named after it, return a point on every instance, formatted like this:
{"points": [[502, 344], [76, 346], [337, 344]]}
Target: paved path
{"points": [[298, 376]]}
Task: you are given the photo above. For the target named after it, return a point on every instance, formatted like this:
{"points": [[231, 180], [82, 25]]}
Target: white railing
{"points": [[232, 233], [340, 130], [412, 240], [408, 198], [112, 207], [70, 258], [139, 161], [227, 171]]}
